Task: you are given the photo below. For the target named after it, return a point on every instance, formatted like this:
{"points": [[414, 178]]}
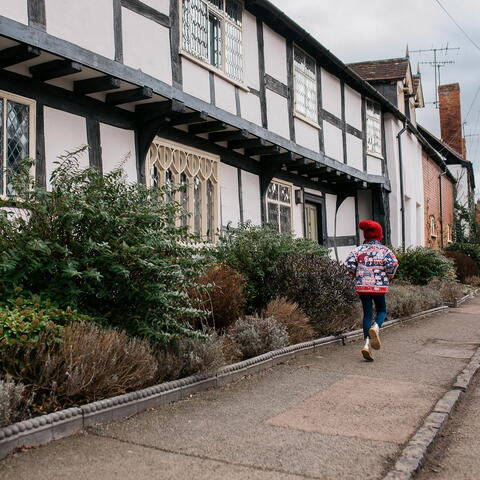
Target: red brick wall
{"points": [[431, 187], [451, 117]]}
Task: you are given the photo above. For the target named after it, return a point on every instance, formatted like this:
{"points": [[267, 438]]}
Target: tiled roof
{"points": [[391, 69]]}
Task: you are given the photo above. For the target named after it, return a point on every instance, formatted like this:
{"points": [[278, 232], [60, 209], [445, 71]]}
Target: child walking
{"points": [[373, 265]]}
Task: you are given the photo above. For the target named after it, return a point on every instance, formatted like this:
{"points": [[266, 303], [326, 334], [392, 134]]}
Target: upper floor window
{"points": [[174, 166], [374, 128], [279, 206], [305, 78], [212, 32], [433, 226], [17, 134]]}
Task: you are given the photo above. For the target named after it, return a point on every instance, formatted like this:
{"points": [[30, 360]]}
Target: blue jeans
{"points": [[380, 307]]}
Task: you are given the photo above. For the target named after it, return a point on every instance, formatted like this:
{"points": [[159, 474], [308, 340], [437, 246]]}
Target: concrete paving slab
{"points": [[445, 348]]}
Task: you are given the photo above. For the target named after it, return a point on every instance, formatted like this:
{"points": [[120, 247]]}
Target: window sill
{"points": [[376, 155], [215, 70], [307, 120]]}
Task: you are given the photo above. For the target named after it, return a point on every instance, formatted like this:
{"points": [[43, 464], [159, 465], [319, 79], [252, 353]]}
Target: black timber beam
{"points": [[188, 118], [96, 84], [207, 127], [17, 54], [128, 96], [315, 167], [279, 159], [266, 150], [227, 136], [301, 162], [169, 108], [246, 143], [54, 69]]}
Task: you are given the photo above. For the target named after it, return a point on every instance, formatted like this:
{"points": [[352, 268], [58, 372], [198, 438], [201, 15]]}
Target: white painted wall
{"points": [[330, 207], [64, 132], [353, 108], [196, 80], [229, 201], [354, 152], [118, 147], [251, 198], [343, 253], [88, 23], [275, 54], [306, 135], [277, 114], [298, 215], [225, 95], [333, 141], [461, 175], [162, 6], [346, 222], [250, 107], [15, 9], [364, 207], [331, 94], [250, 51], [374, 165], [146, 45]]}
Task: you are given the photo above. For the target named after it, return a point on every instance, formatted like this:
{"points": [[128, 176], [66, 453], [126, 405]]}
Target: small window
{"points": [[279, 206], [305, 78], [374, 128], [433, 226], [212, 32], [449, 234]]}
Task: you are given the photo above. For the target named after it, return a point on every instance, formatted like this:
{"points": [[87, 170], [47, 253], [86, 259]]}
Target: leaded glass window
{"points": [[279, 206], [374, 128], [212, 32], [305, 78]]}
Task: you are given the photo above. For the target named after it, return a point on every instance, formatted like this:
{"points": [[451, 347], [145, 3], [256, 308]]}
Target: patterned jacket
{"points": [[372, 263]]}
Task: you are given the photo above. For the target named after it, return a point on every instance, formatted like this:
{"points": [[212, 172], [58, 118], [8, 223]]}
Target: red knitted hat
{"points": [[371, 230]]}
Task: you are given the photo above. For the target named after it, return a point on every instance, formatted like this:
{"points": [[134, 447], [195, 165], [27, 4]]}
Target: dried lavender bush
{"points": [[14, 402]]}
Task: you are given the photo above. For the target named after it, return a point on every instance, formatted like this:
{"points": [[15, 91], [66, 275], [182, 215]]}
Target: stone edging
{"points": [[53, 426]]}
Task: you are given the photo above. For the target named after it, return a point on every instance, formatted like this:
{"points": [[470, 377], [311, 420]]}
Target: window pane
{"points": [[272, 192], [285, 219], [195, 28], [184, 198], [305, 85], [233, 51], [272, 214], [210, 211], [154, 176], [214, 40], [217, 3], [285, 194], [233, 8], [169, 185], [18, 132], [197, 206]]}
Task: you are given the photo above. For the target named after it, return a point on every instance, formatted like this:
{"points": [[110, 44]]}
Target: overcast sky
{"points": [[374, 29]]}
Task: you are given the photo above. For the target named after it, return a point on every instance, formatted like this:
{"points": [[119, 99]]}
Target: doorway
{"points": [[314, 218]]}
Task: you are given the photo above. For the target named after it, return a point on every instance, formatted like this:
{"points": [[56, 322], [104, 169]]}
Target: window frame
{"points": [[205, 63], [32, 134], [297, 113], [433, 227], [372, 117], [290, 186]]}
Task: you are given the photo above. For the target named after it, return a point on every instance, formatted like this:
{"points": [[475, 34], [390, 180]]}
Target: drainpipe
{"points": [[402, 188], [440, 175]]}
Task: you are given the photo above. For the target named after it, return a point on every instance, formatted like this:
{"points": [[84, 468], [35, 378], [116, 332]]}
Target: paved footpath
{"points": [[327, 415]]}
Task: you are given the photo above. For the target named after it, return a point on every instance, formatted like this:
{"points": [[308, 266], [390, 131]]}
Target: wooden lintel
{"points": [[207, 127], [129, 96], [17, 54], [54, 69], [188, 118], [96, 84]]}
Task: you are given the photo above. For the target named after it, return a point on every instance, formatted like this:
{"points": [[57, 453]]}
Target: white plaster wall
{"points": [[225, 95], [306, 135], [354, 152], [353, 108], [15, 9], [118, 147], [275, 54], [333, 141], [64, 132], [277, 114], [346, 222], [229, 201], [250, 51], [343, 253], [298, 216], [250, 107], [364, 208], [461, 175], [330, 207], [374, 165], [87, 23], [251, 198], [331, 94], [196, 80], [162, 6], [146, 45]]}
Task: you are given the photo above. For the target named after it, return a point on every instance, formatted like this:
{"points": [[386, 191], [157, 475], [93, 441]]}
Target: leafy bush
{"points": [[89, 364], [96, 243], [449, 290], [292, 317], [253, 335], [24, 320], [222, 296], [254, 252], [13, 402], [465, 266], [404, 299], [419, 265], [470, 249], [322, 288]]}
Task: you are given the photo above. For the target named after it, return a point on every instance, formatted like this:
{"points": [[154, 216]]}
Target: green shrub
{"points": [[254, 252], [419, 265], [14, 402], [470, 249], [96, 243], [404, 300], [25, 320], [253, 335], [465, 266], [322, 288]]}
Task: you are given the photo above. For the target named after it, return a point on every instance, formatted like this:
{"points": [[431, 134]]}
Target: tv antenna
{"points": [[437, 64]]}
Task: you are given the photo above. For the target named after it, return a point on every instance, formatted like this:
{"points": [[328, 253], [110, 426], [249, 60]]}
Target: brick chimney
{"points": [[451, 117]]}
